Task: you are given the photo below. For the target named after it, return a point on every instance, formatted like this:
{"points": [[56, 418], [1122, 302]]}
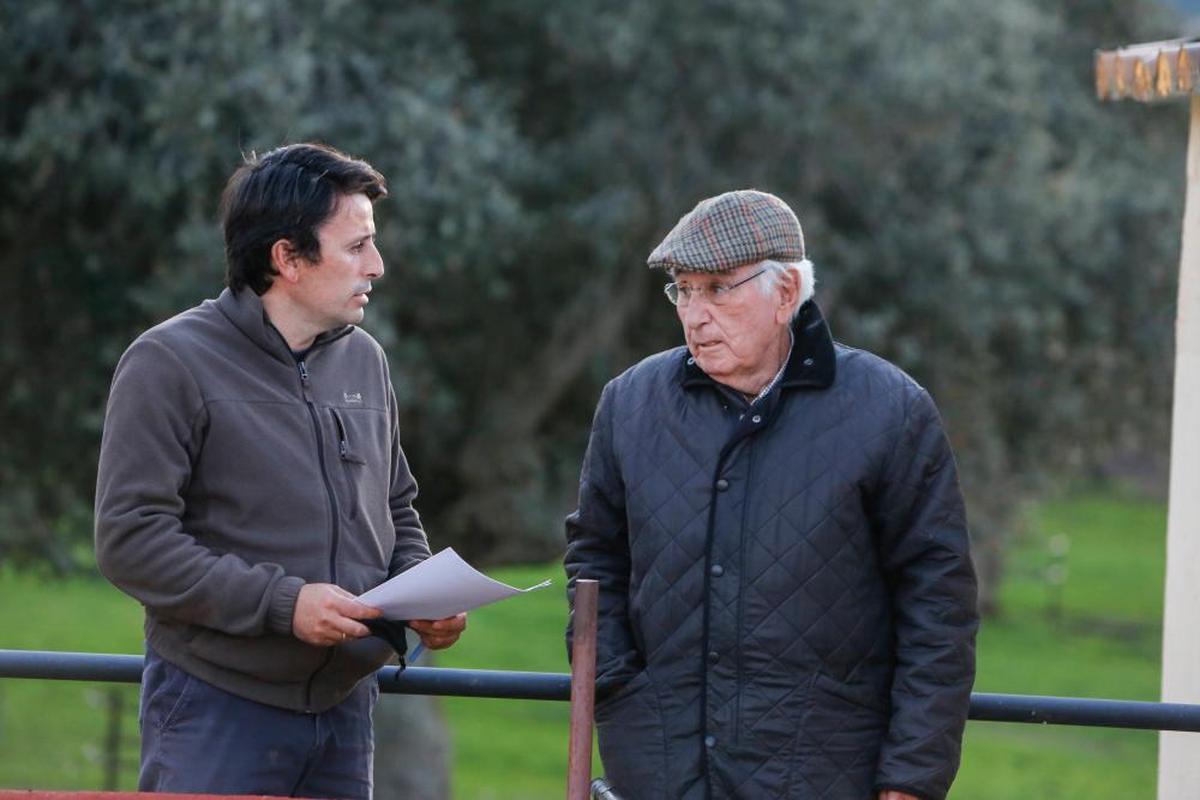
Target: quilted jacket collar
{"points": [[812, 364]]}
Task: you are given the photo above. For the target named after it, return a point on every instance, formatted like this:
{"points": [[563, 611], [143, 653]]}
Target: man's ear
{"points": [[286, 260], [789, 295]]}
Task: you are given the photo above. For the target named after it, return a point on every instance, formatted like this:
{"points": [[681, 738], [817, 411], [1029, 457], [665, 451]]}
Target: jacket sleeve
{"points": [[598, 549], [411, 545], [924, 550], [153, 430]]}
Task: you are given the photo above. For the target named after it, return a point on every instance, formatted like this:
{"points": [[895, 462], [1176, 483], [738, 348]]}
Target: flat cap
{"points": [[730, 230]]}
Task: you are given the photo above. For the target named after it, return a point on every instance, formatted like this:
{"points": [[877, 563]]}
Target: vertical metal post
{"points": [[114, 706], [1179, 754], [583, 687]]}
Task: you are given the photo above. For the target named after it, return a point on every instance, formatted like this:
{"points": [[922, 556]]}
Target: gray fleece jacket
{"points": [[231, 474]]}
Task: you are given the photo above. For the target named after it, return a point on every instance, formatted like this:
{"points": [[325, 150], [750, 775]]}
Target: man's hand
{"points": [[326, 615], [440, 633], [892, 794]]}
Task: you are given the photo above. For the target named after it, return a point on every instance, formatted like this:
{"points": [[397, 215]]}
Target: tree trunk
{"points": [[504, 486]]}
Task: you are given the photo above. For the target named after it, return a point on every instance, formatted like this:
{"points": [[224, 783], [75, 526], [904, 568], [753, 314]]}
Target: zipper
{"points": [[347, 460], [302, 368], [333, 504], [343, 443]]}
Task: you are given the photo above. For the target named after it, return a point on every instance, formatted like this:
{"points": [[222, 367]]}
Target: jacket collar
{"points": [[812, 364], [245, 310]]}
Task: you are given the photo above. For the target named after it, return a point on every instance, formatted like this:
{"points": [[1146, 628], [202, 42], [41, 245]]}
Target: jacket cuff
{"points": [[283, 604]]}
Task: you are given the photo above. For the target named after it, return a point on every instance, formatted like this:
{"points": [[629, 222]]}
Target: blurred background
{"points": [[974, 214]]}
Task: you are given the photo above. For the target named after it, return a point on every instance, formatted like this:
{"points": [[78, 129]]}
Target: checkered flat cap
{"points": [[730, 230]]}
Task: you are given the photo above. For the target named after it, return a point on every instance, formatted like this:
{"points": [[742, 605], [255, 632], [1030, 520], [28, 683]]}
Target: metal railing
{"points": [[554, 686]]}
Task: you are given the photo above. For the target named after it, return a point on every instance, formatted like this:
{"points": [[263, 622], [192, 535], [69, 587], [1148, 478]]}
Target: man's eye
{"points": [[718, 290]]}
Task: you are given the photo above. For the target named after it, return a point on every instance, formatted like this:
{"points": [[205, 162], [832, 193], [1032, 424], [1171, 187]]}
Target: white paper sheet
{"points": [[439, 587]]}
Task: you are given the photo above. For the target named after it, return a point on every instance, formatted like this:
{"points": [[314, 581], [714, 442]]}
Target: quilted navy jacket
{"points": [[787, 600]]}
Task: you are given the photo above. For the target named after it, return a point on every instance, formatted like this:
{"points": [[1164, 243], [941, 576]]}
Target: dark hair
{"points": [[286, 194]]}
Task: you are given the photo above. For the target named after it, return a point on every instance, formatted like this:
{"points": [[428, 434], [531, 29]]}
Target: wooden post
{"points": [[1179, 753], [583, 687]]}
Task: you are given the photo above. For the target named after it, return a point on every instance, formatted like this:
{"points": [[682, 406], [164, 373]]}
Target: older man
{"points": [[787, 600]]}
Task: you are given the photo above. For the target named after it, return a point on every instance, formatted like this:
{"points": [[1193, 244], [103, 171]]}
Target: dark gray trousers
{"points": [[198, 738]]}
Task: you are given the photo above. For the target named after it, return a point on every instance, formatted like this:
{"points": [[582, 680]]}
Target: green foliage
{"points": [[1105, 642], [120, 124], [973, 212]]}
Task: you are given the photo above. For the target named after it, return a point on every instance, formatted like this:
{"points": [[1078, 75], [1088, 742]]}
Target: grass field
{"points": [[1098, 637], [1105, 643]]}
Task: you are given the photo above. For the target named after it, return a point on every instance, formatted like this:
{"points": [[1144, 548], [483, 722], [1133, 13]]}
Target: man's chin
{"points": [[713, 367], [355, 317]]}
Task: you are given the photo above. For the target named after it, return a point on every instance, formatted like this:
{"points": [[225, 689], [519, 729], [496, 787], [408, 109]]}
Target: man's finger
{"points": [[455, 624], [354, 630], [349, 607], [438, 642]]}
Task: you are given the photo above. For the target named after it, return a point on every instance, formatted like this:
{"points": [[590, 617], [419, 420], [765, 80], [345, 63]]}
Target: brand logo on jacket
{"points": [[352, 398]]}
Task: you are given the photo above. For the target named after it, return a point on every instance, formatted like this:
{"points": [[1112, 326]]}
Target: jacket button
{"points": [[710, 741], [756, 419], [716, 570], [722, 485], [713, 656], [808, 362]]}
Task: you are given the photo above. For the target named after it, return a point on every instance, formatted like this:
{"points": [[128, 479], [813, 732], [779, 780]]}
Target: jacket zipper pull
{"points": [[343, 443], [303, 372]]}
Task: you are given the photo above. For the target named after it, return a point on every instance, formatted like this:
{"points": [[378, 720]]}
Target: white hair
{"points": [[803, 270]]}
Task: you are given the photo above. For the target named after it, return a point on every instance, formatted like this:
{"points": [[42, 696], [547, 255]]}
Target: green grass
{"points": [[1104, 641], [51, 732], [506, 749]]}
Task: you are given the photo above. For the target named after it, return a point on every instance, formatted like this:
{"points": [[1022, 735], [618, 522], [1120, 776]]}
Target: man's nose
{"points": [[375, 265], [695, 313]]}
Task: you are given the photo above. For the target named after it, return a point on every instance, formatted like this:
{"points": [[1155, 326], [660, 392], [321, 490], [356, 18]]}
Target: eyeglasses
{"points": [[716, 293]]}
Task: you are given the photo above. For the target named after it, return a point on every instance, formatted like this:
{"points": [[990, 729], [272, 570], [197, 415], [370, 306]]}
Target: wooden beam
{"points": [[1148, 72], [1164, 81]]}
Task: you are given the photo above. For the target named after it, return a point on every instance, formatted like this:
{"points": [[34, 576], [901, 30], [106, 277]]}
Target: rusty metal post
{"points": [[583, 687]]}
